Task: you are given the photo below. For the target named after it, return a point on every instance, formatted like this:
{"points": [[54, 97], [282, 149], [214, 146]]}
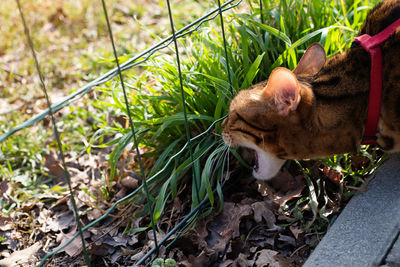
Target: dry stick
{"points": [[66, 173], [297, 250]]}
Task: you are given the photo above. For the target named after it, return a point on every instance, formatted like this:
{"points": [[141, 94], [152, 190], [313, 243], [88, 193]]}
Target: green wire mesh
{"points": [[56, 133], [131, 62], [117, 72]]}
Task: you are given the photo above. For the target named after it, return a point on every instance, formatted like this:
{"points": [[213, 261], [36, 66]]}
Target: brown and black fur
{"points": [[331, 114]]}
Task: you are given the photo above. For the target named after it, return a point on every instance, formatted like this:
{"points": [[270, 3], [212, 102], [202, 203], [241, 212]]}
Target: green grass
{"points": [[254, 49], [73, 48]]}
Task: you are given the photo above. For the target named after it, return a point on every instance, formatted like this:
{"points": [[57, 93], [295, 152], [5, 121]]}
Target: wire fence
{"points": [[117, 73], [201, 197]]}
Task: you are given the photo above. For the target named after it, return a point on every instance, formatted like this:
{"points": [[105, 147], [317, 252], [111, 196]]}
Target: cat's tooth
{"points": [[255, 167]]}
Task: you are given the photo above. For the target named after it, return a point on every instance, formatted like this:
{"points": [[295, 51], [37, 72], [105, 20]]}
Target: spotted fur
{"points": [[320, 108]]}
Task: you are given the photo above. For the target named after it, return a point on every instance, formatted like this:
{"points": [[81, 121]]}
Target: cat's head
{"points": [[259, 115]]}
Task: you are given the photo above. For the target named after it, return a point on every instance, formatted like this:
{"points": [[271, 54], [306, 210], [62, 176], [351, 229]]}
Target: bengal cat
{"points": [[320, 108]]}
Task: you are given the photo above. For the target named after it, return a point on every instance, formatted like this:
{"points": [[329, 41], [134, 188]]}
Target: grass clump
{"points": [[257, 43]]}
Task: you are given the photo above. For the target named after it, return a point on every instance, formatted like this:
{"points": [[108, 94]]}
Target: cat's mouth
{"points": [[256, 164], [266, 165]]}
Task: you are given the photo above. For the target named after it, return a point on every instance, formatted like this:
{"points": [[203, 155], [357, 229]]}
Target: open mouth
{"points": [[256, 163], [266, 165]]}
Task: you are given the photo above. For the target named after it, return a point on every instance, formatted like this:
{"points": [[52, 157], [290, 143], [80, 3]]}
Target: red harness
{"points": [[373, 46]]}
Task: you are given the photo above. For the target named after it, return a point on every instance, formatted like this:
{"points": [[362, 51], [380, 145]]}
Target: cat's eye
{"points": [[257, 127]]}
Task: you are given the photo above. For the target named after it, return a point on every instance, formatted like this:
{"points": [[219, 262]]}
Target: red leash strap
{"points": [[373, 46]]}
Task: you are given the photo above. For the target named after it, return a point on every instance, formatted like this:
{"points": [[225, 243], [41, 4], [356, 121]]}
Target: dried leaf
{"points": [[285, 182], [75, 247], [66, 220], [22, 257], [55, 168], [47, 222], [232, 214], [296, 231], [359, 161], [201, 260], [240, 261], [226, 225], [266, 258], [287, 239], [261, 210], [284, 187], [93, 214], [227, 263], [6, 223]]}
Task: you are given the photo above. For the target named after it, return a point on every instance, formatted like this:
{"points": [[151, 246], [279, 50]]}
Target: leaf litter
{"points": [[260, 224]]}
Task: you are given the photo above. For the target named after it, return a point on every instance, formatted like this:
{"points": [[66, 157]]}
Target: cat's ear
{"points": [[312, 61], [284, 88]]}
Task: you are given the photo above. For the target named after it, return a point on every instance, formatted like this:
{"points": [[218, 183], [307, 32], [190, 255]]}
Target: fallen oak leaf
{"points": [[47, 222], [213, 238], [266, 258], [240, 261], [229, 219]]}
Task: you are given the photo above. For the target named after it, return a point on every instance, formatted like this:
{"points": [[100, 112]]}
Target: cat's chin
{"points": [[267, 165]]}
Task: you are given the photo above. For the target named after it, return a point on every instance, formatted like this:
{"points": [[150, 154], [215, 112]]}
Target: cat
{"points": [[320, 108]]}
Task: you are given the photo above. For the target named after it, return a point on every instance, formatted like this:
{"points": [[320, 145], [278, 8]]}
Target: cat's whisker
{"points": [[225, 144], [220, 144], [228, 146], [226, 160], [221, 141], [217, 134]]}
